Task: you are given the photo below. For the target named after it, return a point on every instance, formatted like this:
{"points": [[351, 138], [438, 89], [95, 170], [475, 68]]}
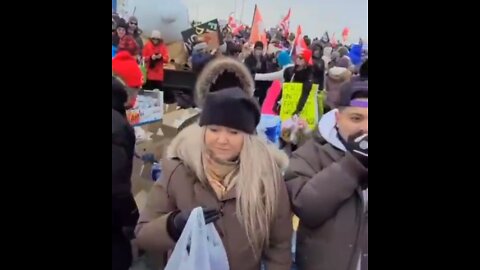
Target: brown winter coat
{"points": [[323, 184], [335, 78], [180, 189]]}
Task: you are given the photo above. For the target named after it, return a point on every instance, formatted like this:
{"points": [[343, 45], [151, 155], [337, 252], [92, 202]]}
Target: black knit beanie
{"points": [[232, 108], [122, 24], [119, 96]]}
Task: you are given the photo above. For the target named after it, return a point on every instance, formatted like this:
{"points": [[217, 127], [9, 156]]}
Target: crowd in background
{"points": [[249, 189]]}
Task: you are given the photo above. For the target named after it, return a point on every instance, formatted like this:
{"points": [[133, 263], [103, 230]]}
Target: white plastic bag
{"points": [[215, 248], [203, 242]]}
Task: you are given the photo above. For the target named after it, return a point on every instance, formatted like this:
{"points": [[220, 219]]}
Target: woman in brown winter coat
{"points": [[220, 165], [336, 77]]}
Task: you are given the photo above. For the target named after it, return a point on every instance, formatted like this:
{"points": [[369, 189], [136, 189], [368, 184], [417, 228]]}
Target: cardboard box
{"points": [[170, 107], [141, 199], [153, 127], [164, 132], [141, 172], [157, 146], [174, 122], [139, 183]]}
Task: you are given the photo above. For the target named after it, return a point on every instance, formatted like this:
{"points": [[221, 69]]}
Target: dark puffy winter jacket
{"points": [[124, 208]]}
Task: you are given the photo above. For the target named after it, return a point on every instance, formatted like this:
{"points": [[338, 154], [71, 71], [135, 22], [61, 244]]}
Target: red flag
{"points": [[345, 34], [299, 44], [285, 23], [293, 51], [300, 41], [236, 28], [231, 21], [258, 30]]}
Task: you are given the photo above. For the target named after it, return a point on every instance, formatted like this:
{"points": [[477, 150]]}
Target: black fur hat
{"points": [[232, 108]]}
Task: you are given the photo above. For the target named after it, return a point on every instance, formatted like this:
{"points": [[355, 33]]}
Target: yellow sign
{"points": [[291, 95]]}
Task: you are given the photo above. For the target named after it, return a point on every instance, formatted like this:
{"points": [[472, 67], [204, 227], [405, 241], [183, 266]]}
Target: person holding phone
{"points": [[156, 55], [327, 181]]}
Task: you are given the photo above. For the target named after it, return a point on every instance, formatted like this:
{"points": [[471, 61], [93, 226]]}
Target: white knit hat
{"points": [[156, 34]]}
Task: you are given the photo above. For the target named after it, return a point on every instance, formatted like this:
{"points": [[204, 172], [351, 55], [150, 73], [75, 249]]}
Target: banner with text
{"points": [[208, 32], [291, 95]]}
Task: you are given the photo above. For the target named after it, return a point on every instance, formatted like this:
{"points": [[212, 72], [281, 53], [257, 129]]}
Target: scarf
{"points": [[221, 175]]}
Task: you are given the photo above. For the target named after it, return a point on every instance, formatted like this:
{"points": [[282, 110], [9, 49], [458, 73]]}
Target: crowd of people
{"points": [[248, 188], [129, 51]]}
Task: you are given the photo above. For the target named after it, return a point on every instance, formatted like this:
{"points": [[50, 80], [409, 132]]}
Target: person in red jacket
{"points": [[125, 66], [155, 54]]}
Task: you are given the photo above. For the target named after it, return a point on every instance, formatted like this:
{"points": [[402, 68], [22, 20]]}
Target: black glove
{"points": [[357, 144], [177, 220], [153, 63]]}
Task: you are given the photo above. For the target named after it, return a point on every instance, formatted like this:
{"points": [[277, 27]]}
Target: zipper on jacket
{"points": [[226, 242]]}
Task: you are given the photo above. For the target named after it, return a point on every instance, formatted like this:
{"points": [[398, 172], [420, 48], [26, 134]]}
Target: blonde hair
{"points": [[257, 190], [257, 184]]}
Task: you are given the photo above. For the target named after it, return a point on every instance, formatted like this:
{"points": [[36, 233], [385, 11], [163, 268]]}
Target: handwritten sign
{"points": [[208, 32], [291, 95]]}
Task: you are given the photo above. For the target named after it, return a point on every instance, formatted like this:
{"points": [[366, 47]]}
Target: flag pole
{"points": [[294, 43], [253, 21], [254, 12]]}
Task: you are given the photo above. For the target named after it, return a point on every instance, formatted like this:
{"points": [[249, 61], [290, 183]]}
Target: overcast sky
{"points": [[315, 16]]}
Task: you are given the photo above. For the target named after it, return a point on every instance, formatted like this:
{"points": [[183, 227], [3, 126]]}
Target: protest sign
{"points": [[291, 95], [208, 32]]}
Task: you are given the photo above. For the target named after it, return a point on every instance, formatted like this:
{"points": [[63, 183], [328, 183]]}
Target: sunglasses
{"points": [[133, 23], [155, 39]]}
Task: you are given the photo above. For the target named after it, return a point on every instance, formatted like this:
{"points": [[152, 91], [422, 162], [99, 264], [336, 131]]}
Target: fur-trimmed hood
{"points": [[339, 74], [186, 146], [221, 73]]}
